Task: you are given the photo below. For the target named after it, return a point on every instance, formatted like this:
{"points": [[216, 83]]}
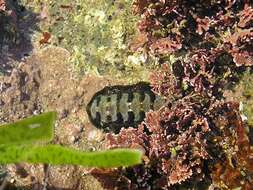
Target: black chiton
{"points": [[120, 106]]}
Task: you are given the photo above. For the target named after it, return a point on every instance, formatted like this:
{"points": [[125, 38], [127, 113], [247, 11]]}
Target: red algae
{"points": [[197, 139]]}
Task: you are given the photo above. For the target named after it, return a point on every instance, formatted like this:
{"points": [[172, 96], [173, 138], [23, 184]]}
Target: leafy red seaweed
{"points": [[193, 140], [196, 138], [246, 16]]}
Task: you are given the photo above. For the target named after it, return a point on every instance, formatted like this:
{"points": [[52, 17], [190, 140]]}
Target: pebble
{"points": [[95, 135]]}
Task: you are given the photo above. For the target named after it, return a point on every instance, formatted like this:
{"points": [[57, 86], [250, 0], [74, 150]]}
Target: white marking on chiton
{"points": [[33, 126], [129, 104], [108, 112]]}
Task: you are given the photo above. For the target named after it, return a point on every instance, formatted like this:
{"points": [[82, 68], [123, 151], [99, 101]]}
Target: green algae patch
{"points": [[18, 143], [97, 34], [12, 153], [36, 128], [58, 155]]}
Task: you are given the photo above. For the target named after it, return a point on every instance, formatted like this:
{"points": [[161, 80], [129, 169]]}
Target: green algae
{"points": [[97, 34], [37, 128], [19, 143], [58, 155]]}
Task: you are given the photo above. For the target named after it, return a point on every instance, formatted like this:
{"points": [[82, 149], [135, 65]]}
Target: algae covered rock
{"points": [[97, 34]]}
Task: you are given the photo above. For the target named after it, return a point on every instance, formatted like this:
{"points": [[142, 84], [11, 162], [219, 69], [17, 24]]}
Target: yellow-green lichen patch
{"points": [[97, 34]]}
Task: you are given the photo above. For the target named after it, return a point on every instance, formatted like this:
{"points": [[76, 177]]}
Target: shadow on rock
{"points": [[17, 24]]}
